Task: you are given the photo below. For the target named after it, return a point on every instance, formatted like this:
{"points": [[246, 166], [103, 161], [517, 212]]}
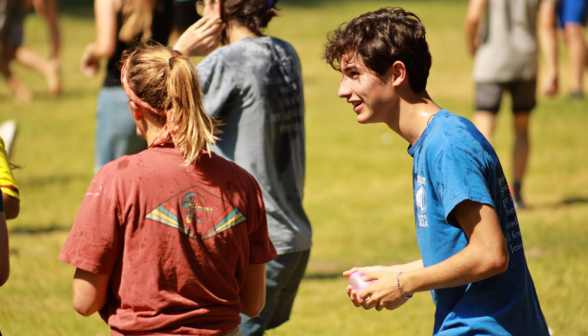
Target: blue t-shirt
{"points": [[453, 162]]}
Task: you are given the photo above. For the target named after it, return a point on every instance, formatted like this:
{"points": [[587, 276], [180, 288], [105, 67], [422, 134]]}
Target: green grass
{"points": [[358, 192]]}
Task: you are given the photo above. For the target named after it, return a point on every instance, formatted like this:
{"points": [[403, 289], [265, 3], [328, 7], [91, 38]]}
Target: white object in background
{"points": [[8, 133]]}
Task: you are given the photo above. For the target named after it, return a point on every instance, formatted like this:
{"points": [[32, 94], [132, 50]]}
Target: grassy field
{"points": [[358, 192]]}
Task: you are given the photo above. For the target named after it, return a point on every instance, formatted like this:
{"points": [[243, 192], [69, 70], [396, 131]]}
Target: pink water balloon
{"points": [[357, 284]]}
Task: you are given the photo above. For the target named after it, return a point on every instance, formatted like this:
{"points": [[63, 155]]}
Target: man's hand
{"points": [[384, 292], [381, 294], [201, 38]]}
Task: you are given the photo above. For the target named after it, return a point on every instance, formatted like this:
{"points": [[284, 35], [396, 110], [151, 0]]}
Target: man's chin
{"points": [[363, 119]]}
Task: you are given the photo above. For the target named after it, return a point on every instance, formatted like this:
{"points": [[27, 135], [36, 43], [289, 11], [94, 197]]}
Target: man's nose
{"points": [[344, 91]]}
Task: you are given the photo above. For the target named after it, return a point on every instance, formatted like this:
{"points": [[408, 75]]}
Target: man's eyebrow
{"points": [[349, 67]]}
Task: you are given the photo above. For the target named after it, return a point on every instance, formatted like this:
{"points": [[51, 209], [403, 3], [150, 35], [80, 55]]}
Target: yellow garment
{"points": [[7, 181]]}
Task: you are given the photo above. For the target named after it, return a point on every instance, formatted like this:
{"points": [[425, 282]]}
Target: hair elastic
{"points": [[270, 4], [171, 65]]}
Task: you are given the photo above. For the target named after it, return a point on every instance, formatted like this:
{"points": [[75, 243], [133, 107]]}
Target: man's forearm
{"points": [[472, 22], [465, 267]]}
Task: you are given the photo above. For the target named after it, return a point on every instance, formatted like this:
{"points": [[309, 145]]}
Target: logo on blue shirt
{"points": [[420, 199]]}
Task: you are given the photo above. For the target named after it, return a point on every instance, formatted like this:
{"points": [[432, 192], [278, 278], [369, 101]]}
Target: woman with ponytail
{"points": [[118, 23], [173, 240], [253, 85]]}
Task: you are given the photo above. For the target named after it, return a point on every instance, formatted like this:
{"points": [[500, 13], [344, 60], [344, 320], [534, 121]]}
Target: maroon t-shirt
{"points": [[177, 241]]}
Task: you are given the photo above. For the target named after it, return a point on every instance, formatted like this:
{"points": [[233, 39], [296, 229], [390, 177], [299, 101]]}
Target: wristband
{"points": [[400, 289]]}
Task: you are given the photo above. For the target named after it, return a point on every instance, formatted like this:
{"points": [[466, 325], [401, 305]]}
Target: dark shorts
{"points": [[12, 15], [489, 95], [282, 277], [572, 11]]}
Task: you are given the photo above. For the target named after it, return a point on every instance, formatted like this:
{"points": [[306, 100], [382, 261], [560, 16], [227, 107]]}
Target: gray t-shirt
{"points": [[509, 48], [254, 87]]}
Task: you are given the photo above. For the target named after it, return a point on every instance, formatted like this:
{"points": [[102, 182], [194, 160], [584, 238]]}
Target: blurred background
{"points": [[358, 191]]}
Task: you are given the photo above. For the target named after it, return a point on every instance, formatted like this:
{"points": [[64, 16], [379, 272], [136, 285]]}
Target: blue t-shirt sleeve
{"points": [[460, 176], [217, 83]]}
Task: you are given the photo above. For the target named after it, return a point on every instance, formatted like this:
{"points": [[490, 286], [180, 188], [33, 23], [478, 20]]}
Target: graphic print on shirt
{"points": [[420, 199], [513, 230], [196, 213]]}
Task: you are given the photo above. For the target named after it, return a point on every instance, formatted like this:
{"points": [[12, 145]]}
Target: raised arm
{"points": [[201, 38], [252, 294], [106, 37], [89, 291], [485, 255], [472, 22]]}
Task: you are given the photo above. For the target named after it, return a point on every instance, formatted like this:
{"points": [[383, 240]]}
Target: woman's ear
{"points": [[135, 111]]}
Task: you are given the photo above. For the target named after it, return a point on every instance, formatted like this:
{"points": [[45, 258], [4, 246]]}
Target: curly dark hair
{"points": [[381, 38], [254, 14]]}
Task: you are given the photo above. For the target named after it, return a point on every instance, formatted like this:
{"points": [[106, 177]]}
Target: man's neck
{"points": [[415, 113]]}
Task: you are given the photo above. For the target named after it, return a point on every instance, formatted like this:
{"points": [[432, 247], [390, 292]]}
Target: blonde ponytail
{"points": [[167, 84], [196, 129], [137, 16]]}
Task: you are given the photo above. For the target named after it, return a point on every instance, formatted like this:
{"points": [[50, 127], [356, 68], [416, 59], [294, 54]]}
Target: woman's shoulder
{"points": [[213, 165]]}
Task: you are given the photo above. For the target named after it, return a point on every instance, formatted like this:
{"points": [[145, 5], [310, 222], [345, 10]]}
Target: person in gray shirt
{"points": [[502, 35], [253, 85]]}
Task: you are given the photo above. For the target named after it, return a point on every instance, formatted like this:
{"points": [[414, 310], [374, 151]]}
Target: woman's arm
{"points": [[89, 291], [4, 250], [106, 31], [11, 206], [252, 294]]}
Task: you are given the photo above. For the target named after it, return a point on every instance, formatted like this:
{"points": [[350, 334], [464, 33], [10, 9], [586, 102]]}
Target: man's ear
{"points": [[399, 73]]}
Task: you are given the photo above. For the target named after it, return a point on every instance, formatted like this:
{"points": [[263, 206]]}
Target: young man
{"points": [[473, 259], [505, 61]]}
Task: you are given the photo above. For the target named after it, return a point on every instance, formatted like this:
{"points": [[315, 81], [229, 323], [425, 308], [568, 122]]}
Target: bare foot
{"points": [[52, 74], [21, 93], [550, 88]]}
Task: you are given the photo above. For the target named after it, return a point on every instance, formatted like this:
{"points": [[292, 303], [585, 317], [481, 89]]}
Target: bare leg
{"points": [[28, 57], [47, 68], [485, 122], [577, 51], [52, 21], [548, 38], [20, 91], [520, 154], [521, 145]]}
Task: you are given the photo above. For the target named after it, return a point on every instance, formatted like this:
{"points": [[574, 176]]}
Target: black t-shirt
{"points": [[161, 27]]}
